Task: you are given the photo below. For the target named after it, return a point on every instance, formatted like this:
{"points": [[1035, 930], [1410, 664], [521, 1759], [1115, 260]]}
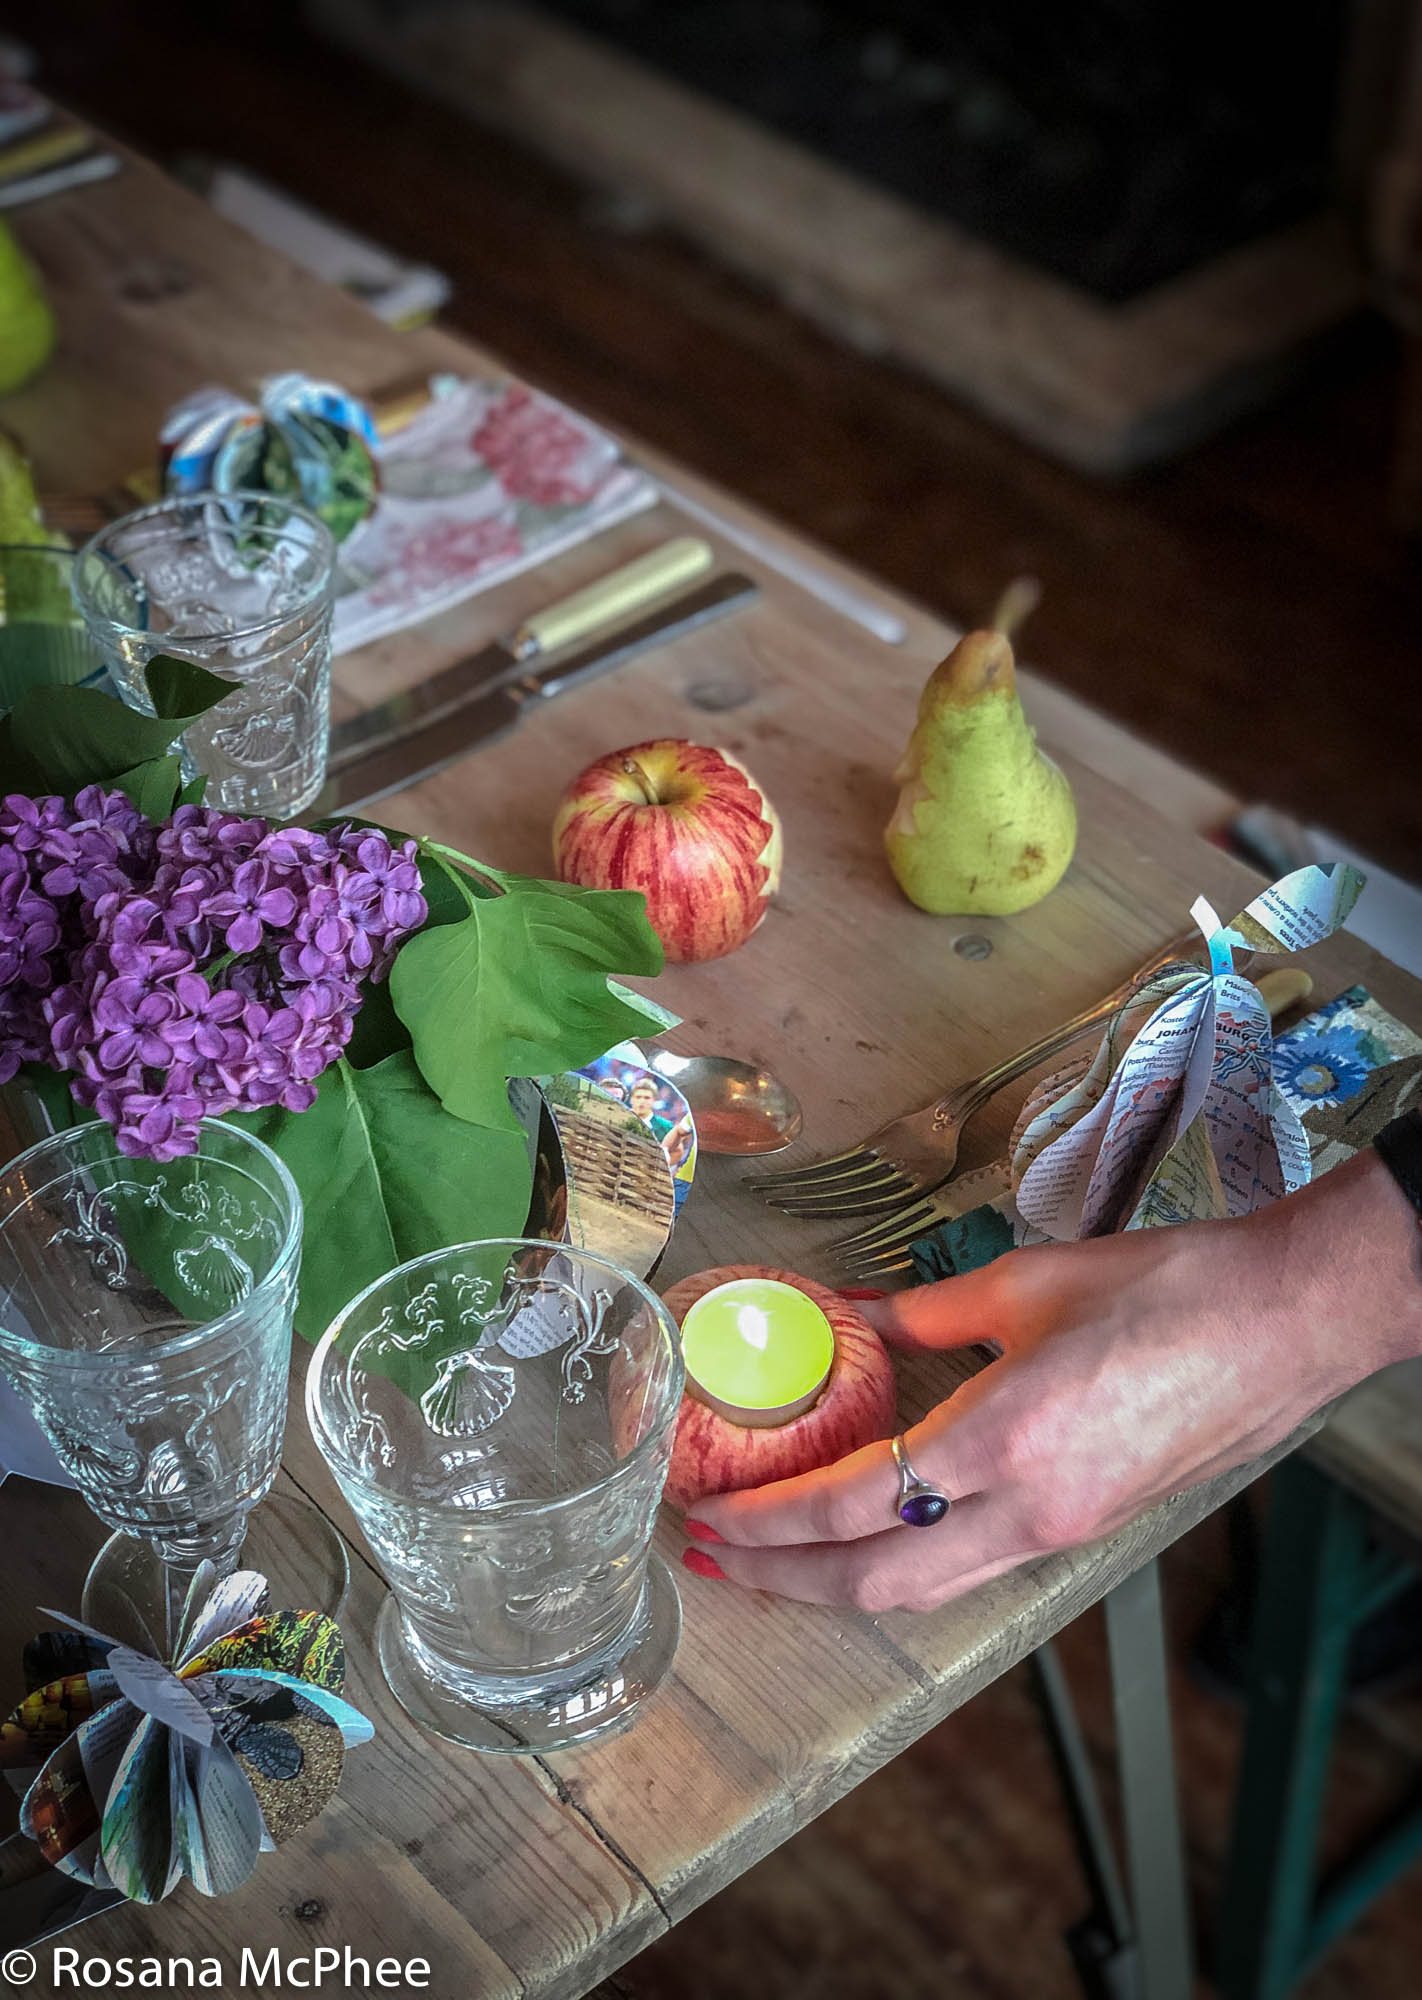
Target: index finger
{"points": [[996, 1303], [855, 1496]]}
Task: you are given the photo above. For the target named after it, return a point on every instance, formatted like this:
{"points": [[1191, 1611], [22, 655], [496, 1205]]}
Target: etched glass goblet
{"points": [[500, 1418], [145, 1315], [242, 584]]}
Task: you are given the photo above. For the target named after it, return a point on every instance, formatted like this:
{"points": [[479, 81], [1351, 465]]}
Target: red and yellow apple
{"points": [[688, 826], [857, 1405]]}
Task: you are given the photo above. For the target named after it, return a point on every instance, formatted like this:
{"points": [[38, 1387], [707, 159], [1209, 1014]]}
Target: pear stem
{"points": [[1016, 605], [634, 770]]}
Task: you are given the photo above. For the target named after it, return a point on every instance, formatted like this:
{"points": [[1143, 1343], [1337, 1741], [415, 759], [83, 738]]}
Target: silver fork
{"points": [[882, 1250], [918, 1152]]}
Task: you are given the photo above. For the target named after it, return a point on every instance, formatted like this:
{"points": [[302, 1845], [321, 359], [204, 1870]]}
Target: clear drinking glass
{"points": [[242, 584], [500, 1417], [145, 1314]]}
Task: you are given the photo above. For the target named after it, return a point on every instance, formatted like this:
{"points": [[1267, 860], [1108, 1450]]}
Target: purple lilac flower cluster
{"points": [[56, 861], [208, 965]]}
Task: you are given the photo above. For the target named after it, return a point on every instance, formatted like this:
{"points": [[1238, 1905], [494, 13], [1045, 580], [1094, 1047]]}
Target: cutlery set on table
{"points": [[421, 730]]}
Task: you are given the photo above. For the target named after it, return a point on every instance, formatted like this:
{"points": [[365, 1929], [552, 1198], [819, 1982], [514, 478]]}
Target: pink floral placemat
{"points": [[488, 479]]}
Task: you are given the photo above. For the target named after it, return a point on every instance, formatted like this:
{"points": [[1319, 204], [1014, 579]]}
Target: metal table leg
{"points": [[1155, 1857], [1324, 1573], [1102, 1943], [1137, 1949]]}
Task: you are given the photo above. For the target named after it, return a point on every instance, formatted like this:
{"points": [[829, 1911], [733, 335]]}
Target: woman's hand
{"points": [[1133, 1366]]}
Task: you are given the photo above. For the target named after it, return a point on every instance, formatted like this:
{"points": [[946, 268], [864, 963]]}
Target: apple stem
{"points": [[634, 770]]}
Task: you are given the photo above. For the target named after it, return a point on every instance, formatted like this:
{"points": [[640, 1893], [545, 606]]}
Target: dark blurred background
{"points": [[1115, 143]]}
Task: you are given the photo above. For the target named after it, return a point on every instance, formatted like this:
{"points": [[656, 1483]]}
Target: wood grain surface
{"points": [[543, 1875]]}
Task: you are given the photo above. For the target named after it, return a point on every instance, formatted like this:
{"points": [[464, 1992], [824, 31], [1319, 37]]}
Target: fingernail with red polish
{"points": [[699, 1532], [861, 1292], [700, 1564]]}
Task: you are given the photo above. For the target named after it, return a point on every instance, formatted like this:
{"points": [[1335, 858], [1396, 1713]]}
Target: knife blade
{"points": [[571, 618], [420, 752]]}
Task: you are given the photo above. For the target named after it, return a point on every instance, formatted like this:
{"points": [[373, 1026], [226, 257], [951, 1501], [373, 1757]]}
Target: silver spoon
{"points": [[737, 1107]]}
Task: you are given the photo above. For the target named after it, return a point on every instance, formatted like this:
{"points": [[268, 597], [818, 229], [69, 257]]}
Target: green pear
{"points": [[20, 518], [26, 322], [985, 823]]}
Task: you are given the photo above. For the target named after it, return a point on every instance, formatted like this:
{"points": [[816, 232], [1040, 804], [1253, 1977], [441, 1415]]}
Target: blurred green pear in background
{"points": [[27, 326]]}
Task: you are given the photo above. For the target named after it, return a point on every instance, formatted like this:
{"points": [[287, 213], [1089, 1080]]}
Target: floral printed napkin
{"points": [[488, 479]]}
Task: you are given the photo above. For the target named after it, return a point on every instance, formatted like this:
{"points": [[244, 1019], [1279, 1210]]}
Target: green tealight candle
{"points": [[757, 1351]]}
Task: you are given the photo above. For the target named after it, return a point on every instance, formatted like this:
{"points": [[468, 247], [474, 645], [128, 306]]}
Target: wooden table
{"points": [[542, 1875]]}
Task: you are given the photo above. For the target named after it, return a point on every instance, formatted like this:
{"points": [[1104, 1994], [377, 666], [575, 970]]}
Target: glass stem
{"points": [[178, 1579]]}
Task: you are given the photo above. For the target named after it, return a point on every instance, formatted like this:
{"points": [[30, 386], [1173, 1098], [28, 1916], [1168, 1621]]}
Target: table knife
{"points": [[418, 753], [605, 602]]}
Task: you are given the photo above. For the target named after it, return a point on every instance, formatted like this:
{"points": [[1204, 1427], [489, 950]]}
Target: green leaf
{"points": [[386, 1174], [181, 689], [152, 786], [18, 771], [194, 790], [450, 883], [38, 654], [70, 737], [52, 1090], [378, 1031], [81, 736], [447, 893], [519, 987]]}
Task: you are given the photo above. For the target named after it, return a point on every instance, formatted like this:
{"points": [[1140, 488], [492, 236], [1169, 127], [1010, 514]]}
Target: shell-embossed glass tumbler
{"points": [[500, 1418], [145, 1316]]}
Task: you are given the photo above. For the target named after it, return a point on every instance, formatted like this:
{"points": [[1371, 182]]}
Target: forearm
{"points": [[1351, 1246]]}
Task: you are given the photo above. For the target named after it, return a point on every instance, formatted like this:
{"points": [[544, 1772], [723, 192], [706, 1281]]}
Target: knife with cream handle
{"points": [[608, 601], [414, 754]]}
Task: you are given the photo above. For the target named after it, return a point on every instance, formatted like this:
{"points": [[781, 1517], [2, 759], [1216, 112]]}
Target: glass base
{"points": [[288, 1540], [594, 1707]]}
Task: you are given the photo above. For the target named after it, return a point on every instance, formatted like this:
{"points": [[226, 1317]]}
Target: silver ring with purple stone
{"points": [[919, 1505]]}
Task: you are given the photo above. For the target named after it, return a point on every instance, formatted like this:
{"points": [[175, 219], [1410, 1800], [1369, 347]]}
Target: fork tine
{"points": [[890, 1233], [853, 1161], [878, 1260], [879, 1253], [872, 1173], [889, 1190], [878, 1269], [844, 1188]]}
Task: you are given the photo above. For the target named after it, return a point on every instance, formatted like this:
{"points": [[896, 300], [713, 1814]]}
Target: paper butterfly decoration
{"points": [[309, 441], [1178, 1117], [135, 1774]]}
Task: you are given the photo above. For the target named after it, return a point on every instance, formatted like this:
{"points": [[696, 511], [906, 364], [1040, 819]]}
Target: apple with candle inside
{"points": [[834, 1384], [688, 826]]}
